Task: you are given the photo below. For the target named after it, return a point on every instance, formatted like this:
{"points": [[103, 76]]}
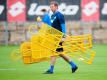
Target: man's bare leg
{"points": [[68, 59], [53, 60], [52, 63]]}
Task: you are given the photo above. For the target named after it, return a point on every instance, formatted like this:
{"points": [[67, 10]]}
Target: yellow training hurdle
{"points": [[43, 44]]}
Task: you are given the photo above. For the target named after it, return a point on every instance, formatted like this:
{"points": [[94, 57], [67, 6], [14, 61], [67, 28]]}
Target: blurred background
{"points": [[82, 17]]}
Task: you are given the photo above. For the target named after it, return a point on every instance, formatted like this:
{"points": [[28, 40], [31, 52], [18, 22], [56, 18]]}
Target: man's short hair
{"points": [[54, 2]]}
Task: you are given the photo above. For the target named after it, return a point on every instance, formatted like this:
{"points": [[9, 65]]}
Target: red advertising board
{"points": [[16, 10], [90, 10]]}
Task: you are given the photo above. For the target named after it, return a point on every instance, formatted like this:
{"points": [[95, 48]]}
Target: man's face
{"points": [[53, 7]]}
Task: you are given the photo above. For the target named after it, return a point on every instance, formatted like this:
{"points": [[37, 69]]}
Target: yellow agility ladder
{"points": [[43, 45]]}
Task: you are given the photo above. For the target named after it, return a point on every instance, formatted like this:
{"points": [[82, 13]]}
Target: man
{"points": [[57, 21]]}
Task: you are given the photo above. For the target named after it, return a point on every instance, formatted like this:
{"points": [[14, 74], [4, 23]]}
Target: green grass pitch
{"points": [[16, 70]]}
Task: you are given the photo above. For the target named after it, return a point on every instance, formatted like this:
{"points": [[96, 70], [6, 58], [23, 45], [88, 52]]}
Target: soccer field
{"points": [[16, 70]]}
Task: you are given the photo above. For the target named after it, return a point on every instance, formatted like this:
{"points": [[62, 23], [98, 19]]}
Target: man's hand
{"points": [[63, 39]]}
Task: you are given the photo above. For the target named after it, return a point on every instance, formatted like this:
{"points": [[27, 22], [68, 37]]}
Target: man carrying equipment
{"points": [[57, 21]]}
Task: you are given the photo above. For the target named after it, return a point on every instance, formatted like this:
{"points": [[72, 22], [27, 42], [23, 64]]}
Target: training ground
{"points": [[17, 70]]}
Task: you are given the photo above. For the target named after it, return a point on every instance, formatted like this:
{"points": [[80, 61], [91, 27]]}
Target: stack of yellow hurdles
{"points": [[43, 44]]}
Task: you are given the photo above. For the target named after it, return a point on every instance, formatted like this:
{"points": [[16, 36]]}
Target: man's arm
{"points": [[62, 22], [63, 28]]}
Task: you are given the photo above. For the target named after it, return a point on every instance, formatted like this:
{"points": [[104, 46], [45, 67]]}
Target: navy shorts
{"points": [[60, 49]]}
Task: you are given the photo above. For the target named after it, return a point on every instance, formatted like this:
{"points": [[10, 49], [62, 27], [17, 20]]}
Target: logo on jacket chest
{"points": [[53, 18]]}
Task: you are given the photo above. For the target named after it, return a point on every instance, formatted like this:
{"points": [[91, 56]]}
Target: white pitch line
{"points": [[7, 69]]}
